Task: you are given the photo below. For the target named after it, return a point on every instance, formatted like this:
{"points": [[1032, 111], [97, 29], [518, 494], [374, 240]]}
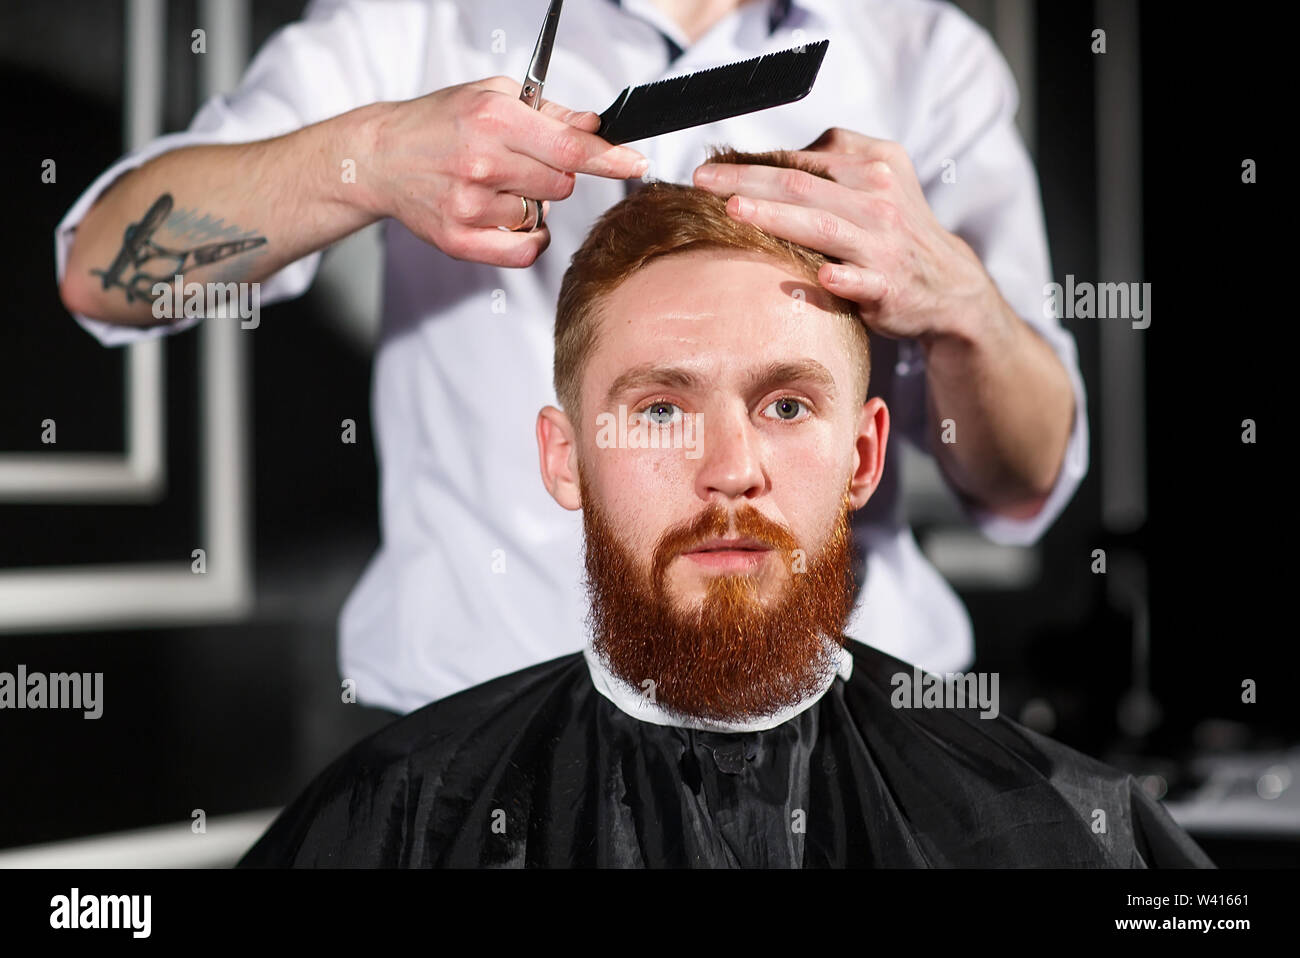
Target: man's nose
{"points": [[731, 457]]}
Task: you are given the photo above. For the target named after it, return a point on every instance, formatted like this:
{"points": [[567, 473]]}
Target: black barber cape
{"points": [[539, 769]]}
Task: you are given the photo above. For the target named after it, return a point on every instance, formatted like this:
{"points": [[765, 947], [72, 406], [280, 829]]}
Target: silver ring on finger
{"points": [[532, 216]]}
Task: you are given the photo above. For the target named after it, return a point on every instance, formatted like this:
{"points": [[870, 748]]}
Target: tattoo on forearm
{"points": [[127, 271]]}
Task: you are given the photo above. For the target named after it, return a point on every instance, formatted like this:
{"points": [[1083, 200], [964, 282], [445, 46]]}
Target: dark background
{"points": [[235, 717]]}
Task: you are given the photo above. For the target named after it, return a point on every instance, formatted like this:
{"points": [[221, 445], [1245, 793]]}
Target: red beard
{"points": [[732, 658]]}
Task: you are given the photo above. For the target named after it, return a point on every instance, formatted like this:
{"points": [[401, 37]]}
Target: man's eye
{"points": [[787, 408], [661, 413]]}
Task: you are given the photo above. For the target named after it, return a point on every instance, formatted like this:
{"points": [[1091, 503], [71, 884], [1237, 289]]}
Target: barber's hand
{"points": [[452, 166], [910, 276]]}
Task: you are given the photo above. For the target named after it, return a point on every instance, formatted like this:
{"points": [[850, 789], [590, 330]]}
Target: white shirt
{"points": [[479, 571]]}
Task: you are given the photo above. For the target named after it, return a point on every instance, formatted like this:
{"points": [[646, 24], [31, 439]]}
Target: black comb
{"points": [[711, 95]]}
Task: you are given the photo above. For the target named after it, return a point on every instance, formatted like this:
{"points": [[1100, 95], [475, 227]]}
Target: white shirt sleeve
{"points": [[343, 54], [966, 127]]}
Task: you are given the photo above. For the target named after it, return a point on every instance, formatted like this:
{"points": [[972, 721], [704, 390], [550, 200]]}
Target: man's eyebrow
{"points": [[760, 380], [645, 374], [776, 373]]}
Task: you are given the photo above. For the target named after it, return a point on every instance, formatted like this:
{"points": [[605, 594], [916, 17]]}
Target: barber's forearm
{"points": [[288, 191], [1012, 410]]}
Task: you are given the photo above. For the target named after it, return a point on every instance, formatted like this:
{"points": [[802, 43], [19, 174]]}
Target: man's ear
{"points": [[557, 450], [869, 451]]}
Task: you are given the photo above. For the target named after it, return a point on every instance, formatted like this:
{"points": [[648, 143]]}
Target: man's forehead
{"points": [[698, 283], [663, 312], [732, 318]]}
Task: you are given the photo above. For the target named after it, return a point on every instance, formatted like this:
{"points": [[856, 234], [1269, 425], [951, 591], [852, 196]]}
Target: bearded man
{"points": [[714, 430]]}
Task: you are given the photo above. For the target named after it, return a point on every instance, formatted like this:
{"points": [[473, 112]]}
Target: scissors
{"points": [[532, 96]]}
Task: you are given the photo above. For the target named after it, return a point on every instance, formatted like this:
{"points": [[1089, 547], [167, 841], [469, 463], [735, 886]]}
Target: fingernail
{"points": [[744, 207], [706, 174]]}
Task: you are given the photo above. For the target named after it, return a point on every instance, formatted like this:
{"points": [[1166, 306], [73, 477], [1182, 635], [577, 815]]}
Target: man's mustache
{"points": [[716, 522]]}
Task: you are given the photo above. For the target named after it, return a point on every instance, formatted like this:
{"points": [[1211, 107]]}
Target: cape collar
{"points": [[637, 704]]}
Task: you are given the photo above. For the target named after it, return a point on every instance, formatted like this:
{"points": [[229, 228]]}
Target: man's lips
{"points": [[729, 554]]}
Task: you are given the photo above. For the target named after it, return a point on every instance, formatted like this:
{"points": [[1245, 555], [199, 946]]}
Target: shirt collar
{"points": [[777, 15], [636, 704]]}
